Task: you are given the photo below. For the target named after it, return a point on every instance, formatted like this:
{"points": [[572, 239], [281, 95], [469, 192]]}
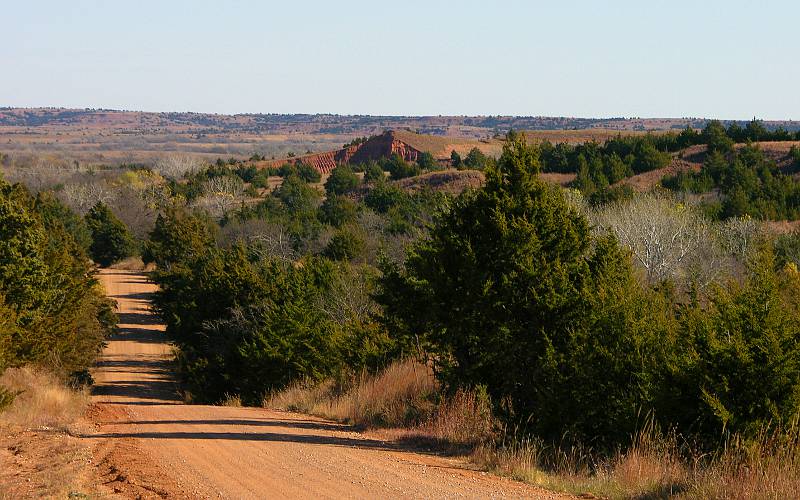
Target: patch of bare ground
{"points": [[562, 180], [648, 180], [447, 181]]}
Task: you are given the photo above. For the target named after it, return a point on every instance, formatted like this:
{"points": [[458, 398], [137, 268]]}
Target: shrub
{"points": [[427, 162], [455, 159], [341, 181], [346, 244], [111, 241], [716, 137], [400, 169], [178, 238], [51, 309], [302, 170], [337, 211], [373, 173], [510, 291], [743, 353], [475, 159]]}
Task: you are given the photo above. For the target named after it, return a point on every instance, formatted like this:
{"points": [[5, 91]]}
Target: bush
{"points": [[341, 181], [111, 241], [400, 169], [427, 162], [347, 244], [716, 137], [178, 238], [455, 159], [337, 211], [743, 356], [302, 170], [373, 173], [476, 160], [510, 291], [51, 310]]}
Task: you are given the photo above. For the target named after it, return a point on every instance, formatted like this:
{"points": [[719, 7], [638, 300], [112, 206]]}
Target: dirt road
{"points": [[147, 444]]}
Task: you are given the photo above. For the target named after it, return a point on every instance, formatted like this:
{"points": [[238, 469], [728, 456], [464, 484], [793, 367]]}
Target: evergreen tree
{"points": [[373, 173], [178, 238], [111, 240], [716, 137], [341, 181], [455, 159], [337, 211], [427, 162], [509, 292]]}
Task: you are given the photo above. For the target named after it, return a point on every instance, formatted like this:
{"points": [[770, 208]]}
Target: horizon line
{"points": [[262, 113]]}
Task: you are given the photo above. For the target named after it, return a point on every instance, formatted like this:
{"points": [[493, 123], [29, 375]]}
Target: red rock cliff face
{"points": [[381, 146]]}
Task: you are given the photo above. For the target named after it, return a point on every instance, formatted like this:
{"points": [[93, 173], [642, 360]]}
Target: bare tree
{"points": [[349, 297], [668, 240], [739, 234], [83, 196], [274, 241], [220, 194], [176, 166], [268, 240]]}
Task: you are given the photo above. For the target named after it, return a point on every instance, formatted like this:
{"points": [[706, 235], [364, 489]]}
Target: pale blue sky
{"points": [[725, 59]]}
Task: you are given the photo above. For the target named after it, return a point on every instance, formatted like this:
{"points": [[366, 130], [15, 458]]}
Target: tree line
{"points": [[52, 310], [513, 288]]}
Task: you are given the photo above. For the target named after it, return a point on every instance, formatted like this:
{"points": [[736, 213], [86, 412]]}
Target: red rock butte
{"points": [[376, 147]]}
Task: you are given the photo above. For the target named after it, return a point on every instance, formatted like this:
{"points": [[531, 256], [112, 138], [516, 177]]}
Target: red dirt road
{"points": [[148, 444]]}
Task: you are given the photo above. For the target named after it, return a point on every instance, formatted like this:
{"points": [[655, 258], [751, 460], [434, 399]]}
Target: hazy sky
{"points": [[725, 59]]}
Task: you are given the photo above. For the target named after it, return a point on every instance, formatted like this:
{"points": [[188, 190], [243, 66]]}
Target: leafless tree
{"points": [[668, 240], [83, 196], [739, 235], [349, 297], [176, 166], [268, 240], [220, 194]]}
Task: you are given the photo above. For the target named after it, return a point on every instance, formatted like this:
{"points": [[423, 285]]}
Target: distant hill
{"points": [[457, 126]]}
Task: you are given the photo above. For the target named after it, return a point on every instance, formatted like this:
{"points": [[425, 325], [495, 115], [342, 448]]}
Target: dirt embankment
{"points": [[147, 444]]}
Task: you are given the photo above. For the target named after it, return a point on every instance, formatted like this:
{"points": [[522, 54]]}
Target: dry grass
{"points": [[655, 466], [39, 458], [401, 395], [42, 401], [650, 468], [766, 467], [463, 420], [232, 401], [404, 397], [132, 264]]}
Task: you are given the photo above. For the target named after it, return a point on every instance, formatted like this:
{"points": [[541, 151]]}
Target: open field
{"points": [[112, 137]]}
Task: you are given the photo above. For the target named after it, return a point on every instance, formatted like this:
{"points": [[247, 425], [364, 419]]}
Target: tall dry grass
{"points": [[401, 395], [48, 462], [42, 401], [406, 398], [765, 467], [655, 466]]}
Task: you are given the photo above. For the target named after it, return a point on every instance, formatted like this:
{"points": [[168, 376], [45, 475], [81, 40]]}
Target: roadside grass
{"points": [[405, 403], [402, 395], [38, 455], [42, 402]]}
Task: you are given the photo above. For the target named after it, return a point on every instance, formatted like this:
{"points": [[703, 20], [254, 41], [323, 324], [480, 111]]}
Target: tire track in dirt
{"points": [[148, 444]]}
